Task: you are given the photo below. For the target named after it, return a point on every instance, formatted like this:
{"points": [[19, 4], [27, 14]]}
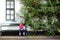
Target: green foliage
{"points": [[39, 14]]}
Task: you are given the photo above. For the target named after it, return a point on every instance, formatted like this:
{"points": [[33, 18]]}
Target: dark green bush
{"points": [[41, 14]]}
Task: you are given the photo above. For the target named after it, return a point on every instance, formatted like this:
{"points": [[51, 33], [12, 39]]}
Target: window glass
{"points": [[12, 6], [8, 6], [12, 12], [8, 12], [8, 2], [8, 17], [12, 2], [12, 17]]}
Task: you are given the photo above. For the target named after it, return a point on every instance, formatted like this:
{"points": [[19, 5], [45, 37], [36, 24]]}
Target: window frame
{"points": [[10, 9]]}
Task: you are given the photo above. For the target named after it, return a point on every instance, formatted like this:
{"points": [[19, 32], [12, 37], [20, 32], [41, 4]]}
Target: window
{"points": [[10, 10]]}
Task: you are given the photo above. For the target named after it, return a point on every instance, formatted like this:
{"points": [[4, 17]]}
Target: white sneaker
{"points": [[19, 33], [23, 33]]}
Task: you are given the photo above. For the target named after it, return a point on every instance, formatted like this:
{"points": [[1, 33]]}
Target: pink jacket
{"points": [[21, 26]]}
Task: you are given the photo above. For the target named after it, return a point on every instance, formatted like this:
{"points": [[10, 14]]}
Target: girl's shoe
{"points": [[24, 33], [19, 34]]}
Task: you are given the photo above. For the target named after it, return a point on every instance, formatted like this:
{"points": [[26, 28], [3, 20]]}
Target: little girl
{"points": [[22, 30]]}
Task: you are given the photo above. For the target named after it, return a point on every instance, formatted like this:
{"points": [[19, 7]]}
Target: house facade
{"points": [[10, 14], [9, 9]]}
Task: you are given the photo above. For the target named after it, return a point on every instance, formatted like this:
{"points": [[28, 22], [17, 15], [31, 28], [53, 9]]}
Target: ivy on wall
{"points": [[41, 14]]}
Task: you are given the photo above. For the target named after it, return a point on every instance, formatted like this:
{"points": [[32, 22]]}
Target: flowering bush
{"points": [[41, 14]]}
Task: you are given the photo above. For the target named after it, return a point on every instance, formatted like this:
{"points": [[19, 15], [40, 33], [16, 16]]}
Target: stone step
{"points": [[31, 33]]}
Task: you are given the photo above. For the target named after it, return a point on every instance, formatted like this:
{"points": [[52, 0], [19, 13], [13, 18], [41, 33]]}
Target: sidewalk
{"points": [[29, 38]]}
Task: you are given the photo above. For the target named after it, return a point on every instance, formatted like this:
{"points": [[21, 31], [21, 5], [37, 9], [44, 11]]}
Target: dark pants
{"points": [[23, 32]]}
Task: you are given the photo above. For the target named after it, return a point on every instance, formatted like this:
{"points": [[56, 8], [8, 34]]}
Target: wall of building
{"points": [[3, 11], [18, 13]]}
